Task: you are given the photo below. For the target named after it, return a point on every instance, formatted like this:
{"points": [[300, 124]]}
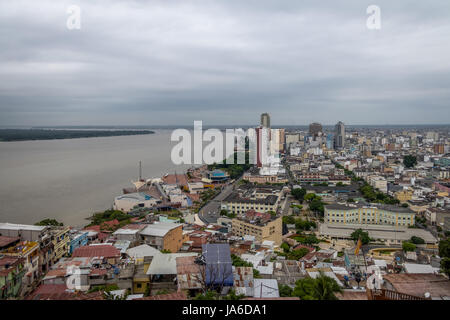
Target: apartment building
{"points": [[163, 236], [270, 230], [28, 252], [61, 242], [234, 203]]}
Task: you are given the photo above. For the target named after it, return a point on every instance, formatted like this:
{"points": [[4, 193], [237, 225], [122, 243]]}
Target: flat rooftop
{"points": [[376, 232], [14, 226]]}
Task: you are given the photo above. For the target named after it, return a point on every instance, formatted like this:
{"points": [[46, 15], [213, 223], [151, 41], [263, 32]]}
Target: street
{"points": [[211, 211]]}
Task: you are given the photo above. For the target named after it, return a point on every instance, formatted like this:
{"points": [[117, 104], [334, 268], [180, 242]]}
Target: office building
{"points": [[339, 135]]}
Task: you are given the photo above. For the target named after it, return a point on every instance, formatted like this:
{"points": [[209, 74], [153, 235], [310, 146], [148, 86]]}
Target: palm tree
{"points": [[320, 288]]}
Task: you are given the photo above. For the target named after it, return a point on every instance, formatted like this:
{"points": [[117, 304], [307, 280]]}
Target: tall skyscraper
{"points": [[314, 129], [265, 120], [339, 135]]}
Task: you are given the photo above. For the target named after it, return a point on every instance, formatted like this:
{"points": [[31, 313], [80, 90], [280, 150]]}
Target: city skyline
{"points": [[137, 63]]}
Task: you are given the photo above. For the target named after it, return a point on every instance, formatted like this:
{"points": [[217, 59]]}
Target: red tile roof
{"points": [[107, 251], [180, 179], [417, 284], [6, 241], [50, 292]]}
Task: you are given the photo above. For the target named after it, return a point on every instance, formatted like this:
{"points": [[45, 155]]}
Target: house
{"points": [[6, 242], [61, 242], [163, 236], [142, 256], [24, 231], [243, 280], [131, 235], [105, 251], [163, 271], [431, 286], [29, 252], [266, 288], [218, 266], [11, 273], [190, 275], [77, 240]]}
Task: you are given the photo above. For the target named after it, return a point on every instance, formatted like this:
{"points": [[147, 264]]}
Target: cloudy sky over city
{"points": [[224, 62]]}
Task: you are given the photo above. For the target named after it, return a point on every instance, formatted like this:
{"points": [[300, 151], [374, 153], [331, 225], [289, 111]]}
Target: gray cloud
{"points": [[223, 62]]}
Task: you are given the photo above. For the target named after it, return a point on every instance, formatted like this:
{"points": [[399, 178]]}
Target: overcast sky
{"points": [[224, 62]]}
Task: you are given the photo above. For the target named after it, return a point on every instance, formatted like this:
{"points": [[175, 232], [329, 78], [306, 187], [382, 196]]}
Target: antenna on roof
{"points": [[140, 171]]}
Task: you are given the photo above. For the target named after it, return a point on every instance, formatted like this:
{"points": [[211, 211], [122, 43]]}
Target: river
{"points": [[70, 179]]}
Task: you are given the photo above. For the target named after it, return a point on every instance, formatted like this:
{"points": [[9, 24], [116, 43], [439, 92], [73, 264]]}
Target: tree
{"points": [[285, 291], [405, 205], [299, 194], [444, 253], [316, 205], [49, 222], [409, 161], [298, 254], [288, 219], [417, 240], [320, 288], [408, 246], [310, 197], [360, 234], [285, 246], [445, 266], [444, 248]]}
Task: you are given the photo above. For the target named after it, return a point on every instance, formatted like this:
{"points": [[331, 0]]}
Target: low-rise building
{"points": [[234, 203], [163, 236], [28, 251], [77, 240], [11, 274], [128, 202], [263, 226], [61, 242], [389, 235], [374, 214]]}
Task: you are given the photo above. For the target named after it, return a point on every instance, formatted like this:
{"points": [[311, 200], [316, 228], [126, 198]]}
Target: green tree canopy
{"points": [[285, 291], [409, 161], [360, 234], [49, 222], [320, 288], [444, 253], [408, 246], [299, 194], [417, 240]]}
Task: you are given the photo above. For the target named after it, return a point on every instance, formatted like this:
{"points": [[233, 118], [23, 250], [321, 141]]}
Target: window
{"points": [[139, 285]]}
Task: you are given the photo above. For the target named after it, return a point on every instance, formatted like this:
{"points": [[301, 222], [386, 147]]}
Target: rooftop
{"points": [[14, 226], [159, 229], [107, 251]]}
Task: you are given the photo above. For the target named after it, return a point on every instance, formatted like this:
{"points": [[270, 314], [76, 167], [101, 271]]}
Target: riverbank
{"points": [[9, 135]]}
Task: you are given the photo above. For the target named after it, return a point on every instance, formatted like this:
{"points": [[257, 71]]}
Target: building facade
{"points": [[378, 215], [271, 230]]}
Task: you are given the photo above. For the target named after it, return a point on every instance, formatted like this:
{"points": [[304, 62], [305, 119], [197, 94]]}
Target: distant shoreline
{"points": [[9, 135]]}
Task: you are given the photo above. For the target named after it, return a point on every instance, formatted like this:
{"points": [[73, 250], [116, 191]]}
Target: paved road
{"points": [[211, 211]]}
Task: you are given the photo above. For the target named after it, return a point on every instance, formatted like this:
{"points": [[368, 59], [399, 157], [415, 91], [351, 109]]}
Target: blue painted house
{"points": [[77, 240]]}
